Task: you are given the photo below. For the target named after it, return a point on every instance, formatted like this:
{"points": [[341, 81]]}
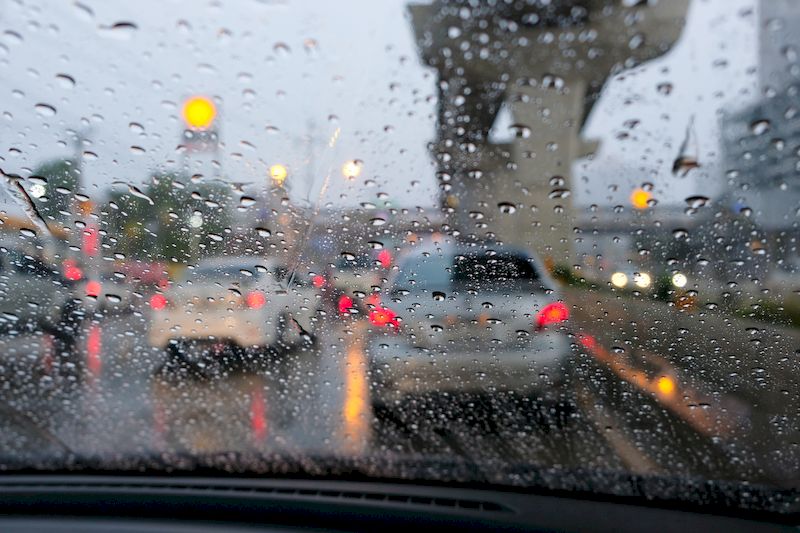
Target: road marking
{"points": [[632, 457]]}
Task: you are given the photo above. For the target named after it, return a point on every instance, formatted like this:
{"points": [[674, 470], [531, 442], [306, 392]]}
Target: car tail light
{"points": [[255, 300], [553, 313], [158, 301], [345, 304], [71, 270], [383, 316], [318, 281], [93, 288], [385, 258]]}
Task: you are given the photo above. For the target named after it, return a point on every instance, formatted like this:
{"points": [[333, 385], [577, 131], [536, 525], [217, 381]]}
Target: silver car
{"points": [[470, 319], [232, 305], [33, 293]]}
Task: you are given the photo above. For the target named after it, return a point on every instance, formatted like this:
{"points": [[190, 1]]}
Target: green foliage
{"points": [[161, 231], [566, 275], [663, 290], [772, 312], [61, 175]]}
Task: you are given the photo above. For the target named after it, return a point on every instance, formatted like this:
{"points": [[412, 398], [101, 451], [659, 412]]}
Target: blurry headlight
{"points": [[642, 280], [679, 280], [619, 279]]}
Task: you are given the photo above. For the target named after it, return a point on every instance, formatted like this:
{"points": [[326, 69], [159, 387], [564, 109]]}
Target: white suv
{"points": [[459, 318]]}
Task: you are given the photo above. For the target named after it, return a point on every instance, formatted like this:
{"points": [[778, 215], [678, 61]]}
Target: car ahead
{"points": [[108, 293], [33, 293], [468, 319], [631, 278], [227, 307], [354, 277]]}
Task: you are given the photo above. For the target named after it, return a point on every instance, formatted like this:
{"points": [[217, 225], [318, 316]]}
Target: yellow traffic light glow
{"points": [[199, 112], [351, 169], [278, 173], [640, 198]]}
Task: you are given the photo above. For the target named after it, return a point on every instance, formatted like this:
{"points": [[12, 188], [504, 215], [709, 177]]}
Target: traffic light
{"points": [[640, 198], [199, 112], [278, 173]]}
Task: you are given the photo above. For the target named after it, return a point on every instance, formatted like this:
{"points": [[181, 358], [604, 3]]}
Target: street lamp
{"points": [[196, 220], [199, 112], [640, 198], [278, 173], [38, 190], [352, 168]]}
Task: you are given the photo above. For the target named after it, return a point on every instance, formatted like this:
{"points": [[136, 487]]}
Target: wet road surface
{"points": [[693, 406]]}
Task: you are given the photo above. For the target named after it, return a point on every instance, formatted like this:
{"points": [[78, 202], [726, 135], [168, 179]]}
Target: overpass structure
{"points": [[544, 63]]}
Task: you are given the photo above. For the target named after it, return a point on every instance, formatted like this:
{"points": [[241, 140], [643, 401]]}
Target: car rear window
{"points": [[482, 269]]}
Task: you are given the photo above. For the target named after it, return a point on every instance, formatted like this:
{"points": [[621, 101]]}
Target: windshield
{"points": [[547, 244], [227, 273]]}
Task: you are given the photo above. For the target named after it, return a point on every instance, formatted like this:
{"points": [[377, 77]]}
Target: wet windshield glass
{"points": [[548, 244]]}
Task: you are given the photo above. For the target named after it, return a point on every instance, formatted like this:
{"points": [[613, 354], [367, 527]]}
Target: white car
{"points": [[229, 307], [357, 276], [464, 319]]}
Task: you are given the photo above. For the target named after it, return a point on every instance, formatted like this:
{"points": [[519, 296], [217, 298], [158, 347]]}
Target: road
{"points": [[670, 392]]}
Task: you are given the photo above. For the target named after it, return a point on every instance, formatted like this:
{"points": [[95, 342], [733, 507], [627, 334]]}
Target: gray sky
{"points": [[283, 69]]}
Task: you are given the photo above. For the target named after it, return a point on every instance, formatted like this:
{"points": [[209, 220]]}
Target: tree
{"points": [[62, 178]]}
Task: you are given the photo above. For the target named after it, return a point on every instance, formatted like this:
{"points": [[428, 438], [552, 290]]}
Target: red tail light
{"points": [[93, 288], [553, 313], [383, 316], [345, 304], [158, 301], [71, 270], [385, 258], [255, 300], [318, 281]]}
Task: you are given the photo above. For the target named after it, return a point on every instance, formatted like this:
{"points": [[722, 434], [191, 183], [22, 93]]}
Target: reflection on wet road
{"points": [[643, 408]]}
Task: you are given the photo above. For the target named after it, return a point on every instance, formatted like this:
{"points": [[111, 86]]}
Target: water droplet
{"points": [[85, 12], [247, 201], [65, 81], [760, 127], [377, 221], [697, 201], [119, 30], [263, 232], [310, 46], [559, 193], [520, 131], [134, 190], [664, 88], [281, 49], [507, 208], [438, 296], [46, 110]]}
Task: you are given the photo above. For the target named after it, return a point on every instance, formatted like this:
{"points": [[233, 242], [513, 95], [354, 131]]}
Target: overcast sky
{"points": [[282, 71]]}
